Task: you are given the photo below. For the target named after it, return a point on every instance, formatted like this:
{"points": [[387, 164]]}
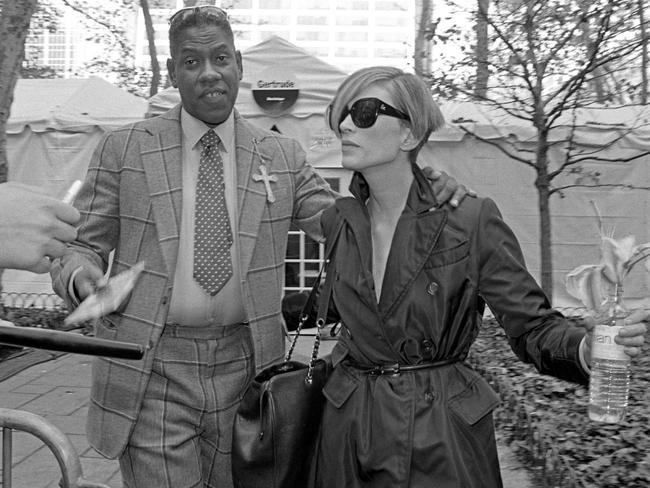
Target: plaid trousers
{"points": [[183, 434]]}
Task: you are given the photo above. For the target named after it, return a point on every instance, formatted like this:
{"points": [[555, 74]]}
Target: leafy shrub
{"points": [[546, 420]]}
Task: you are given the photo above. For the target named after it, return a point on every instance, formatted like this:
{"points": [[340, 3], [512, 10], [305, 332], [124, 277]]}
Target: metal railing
{"points": [[17, 420], [58, 443], [48, 301]]}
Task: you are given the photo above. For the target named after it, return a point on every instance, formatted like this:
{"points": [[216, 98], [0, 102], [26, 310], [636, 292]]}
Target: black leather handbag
{"points": [[277, 422]]}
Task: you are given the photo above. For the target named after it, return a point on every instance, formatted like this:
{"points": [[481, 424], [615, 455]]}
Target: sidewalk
{"points": [[58, 390]]}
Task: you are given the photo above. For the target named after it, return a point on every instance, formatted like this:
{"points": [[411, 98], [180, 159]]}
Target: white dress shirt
{"points": [[190, 304]]}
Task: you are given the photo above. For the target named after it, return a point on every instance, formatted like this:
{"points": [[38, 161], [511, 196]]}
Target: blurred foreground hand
{"points": [[33, 227]]}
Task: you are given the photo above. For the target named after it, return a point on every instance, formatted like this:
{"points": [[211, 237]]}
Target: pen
{"points": [[71, 194]]}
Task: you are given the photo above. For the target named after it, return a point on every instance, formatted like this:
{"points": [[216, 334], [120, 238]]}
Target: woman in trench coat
{"points": [[411, 282]]}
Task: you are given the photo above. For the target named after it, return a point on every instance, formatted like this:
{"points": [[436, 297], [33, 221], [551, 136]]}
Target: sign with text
{"points": [[275, 90]]}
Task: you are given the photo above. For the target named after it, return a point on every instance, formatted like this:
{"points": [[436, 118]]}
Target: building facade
{"points": [[348, 34]]}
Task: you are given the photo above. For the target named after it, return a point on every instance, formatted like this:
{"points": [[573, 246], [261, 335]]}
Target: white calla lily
{"points": [[591, 283], [586, 284]]}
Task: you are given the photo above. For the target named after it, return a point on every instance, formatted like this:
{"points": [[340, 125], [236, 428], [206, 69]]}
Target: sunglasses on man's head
{"points": [[364, 112], [186, 11]]}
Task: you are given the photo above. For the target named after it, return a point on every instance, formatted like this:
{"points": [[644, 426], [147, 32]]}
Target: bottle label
{"points": [[604, 346]]}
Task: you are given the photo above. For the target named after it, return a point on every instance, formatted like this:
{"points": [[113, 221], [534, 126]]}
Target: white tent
{"points": [[52, 131], [55, 125]]}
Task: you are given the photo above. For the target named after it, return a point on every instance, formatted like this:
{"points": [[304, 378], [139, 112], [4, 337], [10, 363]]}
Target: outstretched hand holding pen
{"points": [[34, 227]]}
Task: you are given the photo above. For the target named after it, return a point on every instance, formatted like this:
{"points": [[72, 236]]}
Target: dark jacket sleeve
{"points": [[537, 333]]}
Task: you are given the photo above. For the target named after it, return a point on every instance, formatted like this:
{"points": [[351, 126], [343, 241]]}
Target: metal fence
{"points": [[52, 301], [48, 301]]}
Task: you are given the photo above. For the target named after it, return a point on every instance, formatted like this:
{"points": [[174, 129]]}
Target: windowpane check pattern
{"points": [[212, 233]]}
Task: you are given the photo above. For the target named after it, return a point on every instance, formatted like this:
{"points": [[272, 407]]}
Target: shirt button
{"points": [[429, 396], [164, 300]]}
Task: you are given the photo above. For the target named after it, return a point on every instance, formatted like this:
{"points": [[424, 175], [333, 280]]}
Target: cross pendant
{"points": [[267, 179]]}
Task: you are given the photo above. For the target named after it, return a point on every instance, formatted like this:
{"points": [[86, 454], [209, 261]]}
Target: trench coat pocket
{"points": [[339, 387], [474, 402], [448, 256]]}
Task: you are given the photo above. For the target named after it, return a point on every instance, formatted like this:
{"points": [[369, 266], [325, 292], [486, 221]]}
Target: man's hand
{"points": [[33, 227], [446, 188], [632, 335], [87, 280]]}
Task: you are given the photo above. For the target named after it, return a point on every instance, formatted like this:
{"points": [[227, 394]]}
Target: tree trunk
{"points": [[155, 65], [542, 183], [644, 54], [482, 49], [14, 27], [422, 54]]}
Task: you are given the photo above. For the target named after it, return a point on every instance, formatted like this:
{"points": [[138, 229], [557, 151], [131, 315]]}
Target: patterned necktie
{"points": [[212, 235]]}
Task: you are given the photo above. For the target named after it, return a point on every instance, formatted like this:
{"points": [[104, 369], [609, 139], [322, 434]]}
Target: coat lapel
{"points": [[415, 239], [252, 149], [161, 159]]}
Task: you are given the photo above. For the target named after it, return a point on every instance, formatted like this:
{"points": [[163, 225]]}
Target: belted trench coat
{"points": [[432, 427]]}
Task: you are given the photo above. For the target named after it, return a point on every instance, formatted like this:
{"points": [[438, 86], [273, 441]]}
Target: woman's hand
{"points": [[632, 335]]}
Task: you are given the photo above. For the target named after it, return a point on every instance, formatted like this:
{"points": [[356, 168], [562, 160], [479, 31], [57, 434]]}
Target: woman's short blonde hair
{"points": [[410, 95]]}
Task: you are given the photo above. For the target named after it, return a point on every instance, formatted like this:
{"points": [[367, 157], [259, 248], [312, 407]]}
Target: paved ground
{"points": [[58, 390]]}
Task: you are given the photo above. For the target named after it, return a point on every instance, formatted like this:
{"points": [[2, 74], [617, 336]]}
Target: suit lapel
{"points": [[161, 159], [252, 149]]}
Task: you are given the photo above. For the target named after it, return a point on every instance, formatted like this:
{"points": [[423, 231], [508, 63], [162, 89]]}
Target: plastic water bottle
{"points": [[609, 383]]}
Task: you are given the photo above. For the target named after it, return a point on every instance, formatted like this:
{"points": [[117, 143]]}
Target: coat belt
{"points": [[395, 369]]}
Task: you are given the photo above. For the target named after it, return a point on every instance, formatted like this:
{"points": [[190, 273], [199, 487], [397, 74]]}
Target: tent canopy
{"points": [[593, 126], [74, 105]]}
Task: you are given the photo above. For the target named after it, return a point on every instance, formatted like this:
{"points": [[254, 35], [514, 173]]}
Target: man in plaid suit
{"points": [[168, 417]]}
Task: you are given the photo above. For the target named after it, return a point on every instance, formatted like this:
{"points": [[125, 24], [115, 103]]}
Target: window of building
{"points": [[265, 34], [314, 4], [390, 52], [352, 36], [392, 36], [312, 36], [392, 5], [304, 256], [390, 21], [241, 4], [311, 20], [318, 51], [275, 4], [352, 5], [274, 20], [351, 52], [351, 20]]}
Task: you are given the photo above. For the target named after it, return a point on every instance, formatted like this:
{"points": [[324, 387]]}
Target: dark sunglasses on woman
{"points": [[365, 111]]}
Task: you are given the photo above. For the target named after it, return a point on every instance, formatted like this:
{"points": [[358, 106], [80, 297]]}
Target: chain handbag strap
{"points": [[323, 304]]}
